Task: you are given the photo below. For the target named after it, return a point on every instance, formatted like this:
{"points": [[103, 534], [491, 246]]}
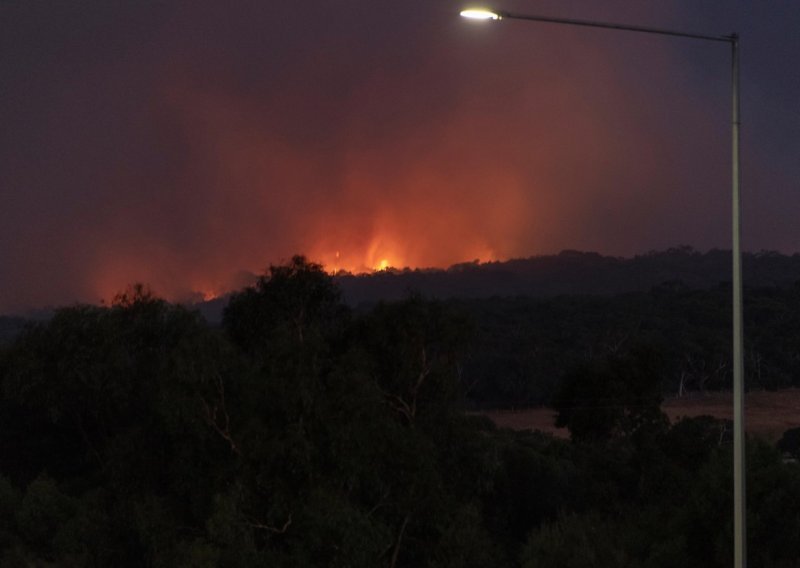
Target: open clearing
{"points": [[768, 414]]}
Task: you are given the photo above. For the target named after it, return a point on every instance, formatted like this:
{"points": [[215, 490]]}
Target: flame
{"points": [[209, 295], [352, 255], [384, 251]]}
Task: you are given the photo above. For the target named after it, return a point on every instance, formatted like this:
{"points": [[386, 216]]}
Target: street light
{"points": [[480, 15], [740, 552]]}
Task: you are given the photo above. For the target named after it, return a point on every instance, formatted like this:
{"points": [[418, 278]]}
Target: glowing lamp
{"points": [[480, 15]]}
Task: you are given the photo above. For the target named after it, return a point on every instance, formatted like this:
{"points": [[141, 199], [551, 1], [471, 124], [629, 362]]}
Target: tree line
{"points": [[574, 273], [524, 346], [304, 433]]}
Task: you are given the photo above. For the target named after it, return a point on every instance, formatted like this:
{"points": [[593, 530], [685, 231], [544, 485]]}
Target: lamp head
{"points": [[480, 14]]}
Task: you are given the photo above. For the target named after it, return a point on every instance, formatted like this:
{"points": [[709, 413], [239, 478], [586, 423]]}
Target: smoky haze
{"points": [[178, 144]]}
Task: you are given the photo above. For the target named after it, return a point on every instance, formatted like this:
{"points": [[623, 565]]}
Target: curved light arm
{"points": [[481, 14]]}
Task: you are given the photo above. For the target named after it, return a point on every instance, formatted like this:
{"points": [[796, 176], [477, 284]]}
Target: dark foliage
{"points": [[575, 273], [617, 396], [524, 347], [302, 434]]}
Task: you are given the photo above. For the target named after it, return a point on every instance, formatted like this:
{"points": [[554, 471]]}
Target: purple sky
{"points": [[179, 143]]}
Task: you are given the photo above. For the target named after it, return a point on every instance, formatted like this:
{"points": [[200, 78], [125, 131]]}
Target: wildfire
{"points": [[387, 251]]}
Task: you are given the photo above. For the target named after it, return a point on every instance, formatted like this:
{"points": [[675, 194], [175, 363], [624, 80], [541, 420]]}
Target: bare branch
{"points": [[224, 430], [268, 528], [379, 504], [399, 405], [396, 552], [88, 441], [423, 372]]}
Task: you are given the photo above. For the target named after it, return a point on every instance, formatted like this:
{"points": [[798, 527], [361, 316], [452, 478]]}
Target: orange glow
{"points": [[475, 143], [452, 187], [383, 252]]}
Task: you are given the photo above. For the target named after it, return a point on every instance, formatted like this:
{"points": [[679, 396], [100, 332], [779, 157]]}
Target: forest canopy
{"points": [[304, 433]]}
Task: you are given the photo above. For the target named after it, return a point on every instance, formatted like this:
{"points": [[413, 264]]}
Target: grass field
{"points": [[767, 413]]}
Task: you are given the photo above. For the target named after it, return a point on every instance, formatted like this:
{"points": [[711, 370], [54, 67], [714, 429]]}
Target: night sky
{"points": [[182, 143]]}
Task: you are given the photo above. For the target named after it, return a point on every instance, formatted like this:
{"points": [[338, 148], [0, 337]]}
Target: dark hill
{"points": [[567, 273], [574, 273]]}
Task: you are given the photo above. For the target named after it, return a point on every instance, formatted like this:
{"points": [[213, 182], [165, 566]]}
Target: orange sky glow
{"points": [[189, 149]]}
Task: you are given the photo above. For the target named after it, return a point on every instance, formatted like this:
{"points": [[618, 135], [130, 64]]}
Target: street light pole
{"points": [[739, 527], [740, 552]]}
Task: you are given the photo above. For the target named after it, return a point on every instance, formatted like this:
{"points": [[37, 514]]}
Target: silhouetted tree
{"points": [[616, 396]]}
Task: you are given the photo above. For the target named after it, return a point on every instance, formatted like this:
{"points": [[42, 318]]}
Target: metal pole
{"points": [[739, 525]]}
